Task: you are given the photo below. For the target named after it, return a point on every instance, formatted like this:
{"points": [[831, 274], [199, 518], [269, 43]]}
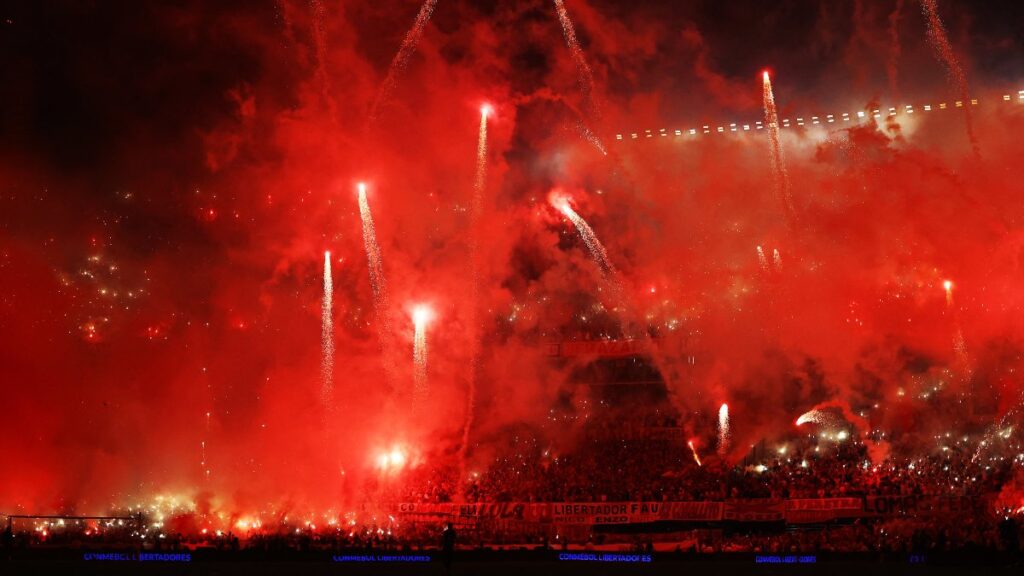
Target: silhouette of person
{"points": [[448, 545]]}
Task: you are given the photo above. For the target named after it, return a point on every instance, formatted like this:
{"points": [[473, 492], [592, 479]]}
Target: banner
{"points": [[795, 511], [692, 511], [600, 348], [815, 510], [912, 505], [424, 512], [763, 510], [489, 510], [605, 512]]}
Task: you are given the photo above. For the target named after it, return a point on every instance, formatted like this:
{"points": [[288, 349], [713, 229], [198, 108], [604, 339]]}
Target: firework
{"points": [[372, 250], [892, 64], [327, 331], [480, 180], [479, 185], [777, 259], [401, 59], [939, 40], [320, 40], [779, 172], [959, 344], [597, 251], [421, 315], [762, 260], [392, 460], [724, 432], [696, 457], [585, 77], [815, 417], [376, 267]]}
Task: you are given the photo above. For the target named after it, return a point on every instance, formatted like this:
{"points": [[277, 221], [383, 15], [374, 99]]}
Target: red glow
{"points": [[543, 277]]}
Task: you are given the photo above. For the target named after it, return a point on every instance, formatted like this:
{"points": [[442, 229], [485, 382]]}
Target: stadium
{"points": [[569, 286]]}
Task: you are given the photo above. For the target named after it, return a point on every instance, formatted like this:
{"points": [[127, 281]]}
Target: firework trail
{"points": [[587, 134], [420, 317], [585, 78], [816, 416], [380, 293], [771, 120], [892, 64], [693, 450], [724, 433], [281, 12], [959, 344], [381, 303], [320, 40], [762, 260], [479, 185], [327, 332], [202, 463], [628, 318], [401, 60], [1001, 428], [939, 40], [824, 414], [777, 260], [597, 251], [480, 181]]}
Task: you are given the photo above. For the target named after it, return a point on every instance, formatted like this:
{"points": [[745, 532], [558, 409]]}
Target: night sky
{"points": [[171, 174]]}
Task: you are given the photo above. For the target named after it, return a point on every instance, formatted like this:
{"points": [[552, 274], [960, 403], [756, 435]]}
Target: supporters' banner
{"points": [[483, 510], [762, 510], [795, 511], [504, 510], [602, 512], [813, 510], [602, 348], [692, 511], [911, 505], [424, 512]]}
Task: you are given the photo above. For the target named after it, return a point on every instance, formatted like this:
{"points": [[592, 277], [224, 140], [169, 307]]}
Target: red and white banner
{"points": [[814, 510], [594, 513], [795, 511]]}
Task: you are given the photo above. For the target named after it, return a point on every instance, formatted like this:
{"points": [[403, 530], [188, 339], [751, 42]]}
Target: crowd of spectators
{"points": [[611, 458]]}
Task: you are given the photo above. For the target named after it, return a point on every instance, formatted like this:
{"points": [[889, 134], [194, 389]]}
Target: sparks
{"points": [[401, 59], [392, 460], [812, 416], [762, 260], [724, 433], [421, 316], [585, 77], [327, 331], [943, 49], [779, 172], [597, 251], [377, 282], [696, 457], [479, 186]]}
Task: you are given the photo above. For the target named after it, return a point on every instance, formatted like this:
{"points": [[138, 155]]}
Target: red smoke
{"points": [[216, 171]]}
